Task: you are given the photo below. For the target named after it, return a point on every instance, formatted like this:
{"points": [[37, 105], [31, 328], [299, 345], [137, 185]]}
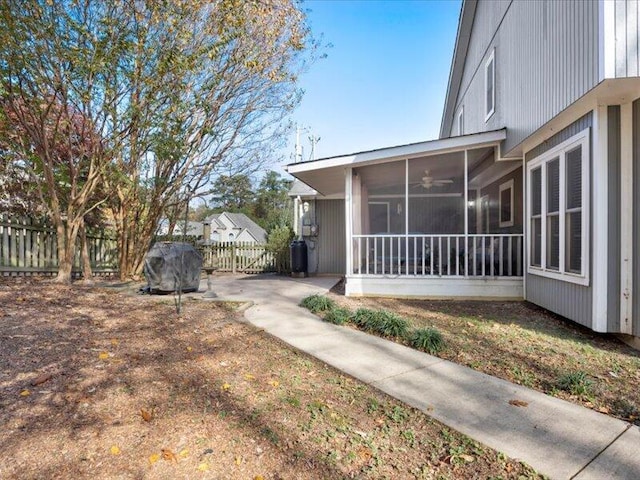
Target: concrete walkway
{"points": [[557, 438]]}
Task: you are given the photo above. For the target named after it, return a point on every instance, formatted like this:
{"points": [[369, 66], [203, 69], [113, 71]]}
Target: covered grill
{"points": [[170, 266]]}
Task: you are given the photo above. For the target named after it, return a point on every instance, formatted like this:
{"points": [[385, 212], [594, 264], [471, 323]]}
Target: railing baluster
{"points": [[440, 256], [367, 257], [501, 256], [359, 255], [510, 256], [519, 254]]}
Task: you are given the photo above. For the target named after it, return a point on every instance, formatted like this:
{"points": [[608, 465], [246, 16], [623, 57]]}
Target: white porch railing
{"points": [[473, 255]]}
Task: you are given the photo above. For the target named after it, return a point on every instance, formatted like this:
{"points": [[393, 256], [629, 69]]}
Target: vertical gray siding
{"points": [[567, 299], [613, 226], [636, 219], [546, 55], [330, 247], [493, 191], [627, 38]]}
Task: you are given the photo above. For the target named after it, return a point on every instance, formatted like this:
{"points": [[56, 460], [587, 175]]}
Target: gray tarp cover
{"points": [[165, 261]]}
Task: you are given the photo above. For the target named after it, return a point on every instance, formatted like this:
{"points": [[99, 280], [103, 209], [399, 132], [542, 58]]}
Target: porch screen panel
{"points": [[553, 214], [381, 215]]}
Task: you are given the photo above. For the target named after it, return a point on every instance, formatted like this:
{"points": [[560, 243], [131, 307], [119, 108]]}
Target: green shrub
{"points": [[390, 324], [278, 244], [337, 315], [317, 303], [576, 383], [427, 339], [364, 317]]}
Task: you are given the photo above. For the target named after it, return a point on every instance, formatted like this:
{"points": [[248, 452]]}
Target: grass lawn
{"points": [[100, 384], [524, 344]]}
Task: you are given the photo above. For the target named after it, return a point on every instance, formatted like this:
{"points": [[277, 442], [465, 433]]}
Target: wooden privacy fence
{"points": [[29, 248], [242, 257]]}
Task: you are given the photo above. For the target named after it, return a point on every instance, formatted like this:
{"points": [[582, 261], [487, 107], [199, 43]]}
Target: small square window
{"points": [[506, 204], [490, 86]]}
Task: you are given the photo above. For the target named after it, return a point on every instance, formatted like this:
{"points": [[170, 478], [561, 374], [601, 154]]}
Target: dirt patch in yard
{"points": [[95, 384], [525, 344]]}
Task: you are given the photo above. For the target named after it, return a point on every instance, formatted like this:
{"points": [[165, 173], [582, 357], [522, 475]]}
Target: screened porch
{"points": [[456, 214]]}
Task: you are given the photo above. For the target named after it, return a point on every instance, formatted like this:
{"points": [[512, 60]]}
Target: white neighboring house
{"points": [[235, 227], [193, 228]]}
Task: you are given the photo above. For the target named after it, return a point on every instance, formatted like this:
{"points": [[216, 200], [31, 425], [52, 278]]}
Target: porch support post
{"points": [[348, 216], [406, 216], [466, 213]]}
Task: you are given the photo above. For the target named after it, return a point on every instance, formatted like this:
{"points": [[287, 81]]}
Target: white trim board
{"points": [[400, 286], [626, 218], [600, 250]]}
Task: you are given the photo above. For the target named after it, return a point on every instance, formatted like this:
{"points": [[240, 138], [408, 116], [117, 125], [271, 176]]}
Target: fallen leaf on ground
{"points": [[518, 403], [466, 458], [103, 355], [189, 349], [238, 460], [169, 456], [146, 415], [248, 376], [604, 410], [45, 377], [115, 450], [203, 467], [25, 393], [225, 386], [154, 458], [184, 453], [274, 383], [114, 341], [258, 477]]}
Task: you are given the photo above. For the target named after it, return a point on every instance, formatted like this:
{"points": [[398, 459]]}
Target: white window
{"points": [[558, 211], [490, 86], [461, 121], [505, 202]]}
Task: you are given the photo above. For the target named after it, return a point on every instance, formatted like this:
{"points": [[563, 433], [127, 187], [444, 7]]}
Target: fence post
{"points": [[233, 257]]}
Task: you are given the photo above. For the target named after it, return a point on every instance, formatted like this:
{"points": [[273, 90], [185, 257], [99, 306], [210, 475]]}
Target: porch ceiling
{"points": [[327, 175]]}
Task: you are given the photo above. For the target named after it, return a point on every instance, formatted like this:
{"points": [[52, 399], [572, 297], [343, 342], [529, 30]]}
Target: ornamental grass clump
{"points": [[364, 318], [428, 340], [337, 315], [317, 303], [390, 324]]}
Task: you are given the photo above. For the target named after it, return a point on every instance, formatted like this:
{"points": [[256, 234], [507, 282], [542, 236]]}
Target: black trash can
{"points": [[298, 257]]}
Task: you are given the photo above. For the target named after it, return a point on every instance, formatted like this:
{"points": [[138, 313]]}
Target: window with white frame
{"points": [[461, 121], [490, 86], [558, 209], [505, 204]]}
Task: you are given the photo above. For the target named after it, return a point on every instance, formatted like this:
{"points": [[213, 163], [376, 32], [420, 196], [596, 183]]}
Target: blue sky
{"points": [[384, 80]]}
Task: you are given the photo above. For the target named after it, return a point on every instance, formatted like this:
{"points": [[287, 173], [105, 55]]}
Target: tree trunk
{"points": [[66, 238], [87, 272]]}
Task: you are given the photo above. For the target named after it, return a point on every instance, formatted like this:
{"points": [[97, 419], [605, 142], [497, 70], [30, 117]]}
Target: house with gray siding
{"points": [[532, 189]]}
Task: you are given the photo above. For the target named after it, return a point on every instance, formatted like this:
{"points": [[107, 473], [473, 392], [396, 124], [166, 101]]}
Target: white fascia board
{"points": [[432, 147]]}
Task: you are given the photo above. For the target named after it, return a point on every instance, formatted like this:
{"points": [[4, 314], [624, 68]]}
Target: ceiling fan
{"points": [[428, 181]]}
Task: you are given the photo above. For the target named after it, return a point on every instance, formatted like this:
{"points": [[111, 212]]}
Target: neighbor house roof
{"points": [[244, 222], [241, 221], [465, 23]]}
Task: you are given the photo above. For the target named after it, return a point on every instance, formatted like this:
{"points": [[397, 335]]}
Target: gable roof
{"points": [[241, 221], [245, 223], [465, 23]]}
